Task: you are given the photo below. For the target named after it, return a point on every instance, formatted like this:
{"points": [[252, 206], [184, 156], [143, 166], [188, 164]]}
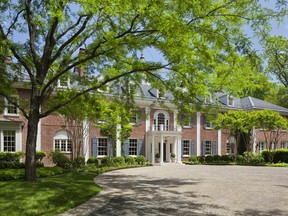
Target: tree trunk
{"points": [[30, 161]]}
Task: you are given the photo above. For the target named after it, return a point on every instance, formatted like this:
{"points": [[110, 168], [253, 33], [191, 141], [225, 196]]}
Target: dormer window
{"points": [[10, 108], [230, 100]]}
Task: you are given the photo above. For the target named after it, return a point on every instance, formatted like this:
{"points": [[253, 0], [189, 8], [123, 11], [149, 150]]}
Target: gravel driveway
{"points": [[176, 189]]}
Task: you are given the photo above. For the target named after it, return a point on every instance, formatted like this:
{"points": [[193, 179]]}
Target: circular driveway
{"points": [[176, 189]]}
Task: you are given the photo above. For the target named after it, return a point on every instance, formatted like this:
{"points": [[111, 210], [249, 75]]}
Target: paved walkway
{"points": [[175, 189]]}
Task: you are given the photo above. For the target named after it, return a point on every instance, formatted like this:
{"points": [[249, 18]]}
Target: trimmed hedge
{"points": [[140, 159], [93, 160], [129, 160], [276, 156]]}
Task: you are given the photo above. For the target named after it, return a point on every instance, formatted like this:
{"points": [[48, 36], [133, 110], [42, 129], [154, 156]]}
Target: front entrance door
{"points": [[164, 152]]}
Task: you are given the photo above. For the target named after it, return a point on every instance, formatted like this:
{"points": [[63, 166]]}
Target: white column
{"points": [[118, 141], [198, 132], [254, 140], [219, 141], [179, 153], [39, 135], [175, 119], [86, 139], [153, 149], [147, 112], [161, 148]]}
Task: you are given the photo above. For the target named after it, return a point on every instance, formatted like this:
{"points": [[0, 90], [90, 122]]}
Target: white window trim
{"points": [[102, 156], [6, 108], [18, 136], [136, 147]]}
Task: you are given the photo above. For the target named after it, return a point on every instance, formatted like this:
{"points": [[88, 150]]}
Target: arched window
{"points": [[62, 141], [161, 118]]}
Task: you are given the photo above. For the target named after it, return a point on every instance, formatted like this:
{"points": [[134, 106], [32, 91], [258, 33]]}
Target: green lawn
{"points": [[48, 196]]}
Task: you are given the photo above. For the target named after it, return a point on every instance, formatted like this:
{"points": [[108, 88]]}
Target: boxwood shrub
{"points": [[140, 159], [201, 159], [93, 160], [209, 159], [193, 159], [118, 160], [129, 160], [226, 158], [216, 158], [281, 156], [107, 161]]}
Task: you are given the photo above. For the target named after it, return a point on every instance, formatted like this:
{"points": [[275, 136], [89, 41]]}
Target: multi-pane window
{"points": [[261, 146], [284, 145], [132, 146], [186, 147], [9, 141], [11, 108], [230, 148], [208, 148], [64, 145], [102, 146], [161, 120]]}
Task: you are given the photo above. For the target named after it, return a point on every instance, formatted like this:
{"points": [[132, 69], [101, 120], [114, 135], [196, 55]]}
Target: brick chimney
{"points": [[80, 69]]}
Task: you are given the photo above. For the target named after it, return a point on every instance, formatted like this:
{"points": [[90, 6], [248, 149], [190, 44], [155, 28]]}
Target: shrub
{"points": [[209, 159], [118, 160], [281, 155], [201, 159], [193, 159], [78, 162], [257, 159], [40, 155], [8, 157], [129, 160], [140, 159], [240, 159], [226, 158], [48, 171], [172, 155], [93, 160], [11, 174], [216, 158], [106, 161], [60, 159]]}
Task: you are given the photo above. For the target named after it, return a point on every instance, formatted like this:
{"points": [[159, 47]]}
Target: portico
{"points": [[164, 141]]}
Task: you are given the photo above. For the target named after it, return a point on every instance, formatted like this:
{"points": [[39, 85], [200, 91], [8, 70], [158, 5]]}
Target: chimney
{"points": [[80, 70]]}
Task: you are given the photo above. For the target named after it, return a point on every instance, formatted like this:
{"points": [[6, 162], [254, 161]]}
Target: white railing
{"points": [[165, 128]]}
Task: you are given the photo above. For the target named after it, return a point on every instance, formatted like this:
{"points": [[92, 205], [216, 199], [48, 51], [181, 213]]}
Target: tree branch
{"points": [[14, 21]]}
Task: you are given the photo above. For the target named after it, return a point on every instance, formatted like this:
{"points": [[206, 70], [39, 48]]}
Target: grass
{"points": [[48, 196]]}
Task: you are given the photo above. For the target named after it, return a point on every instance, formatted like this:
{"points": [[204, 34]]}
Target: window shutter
{"points": [[203, 148], [213, 147], [192, 148], [140, 147], [182, 147], [192, 121], [204, 122], [110, 147], [94, 142], [126, 148]]}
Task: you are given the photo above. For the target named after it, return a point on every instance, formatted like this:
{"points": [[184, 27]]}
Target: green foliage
{"points": [[60, 159], [257, 159], [226, 158], [119, 160], [193, 159], [78, 162], [157, 155], [275, 156], [140, 159], [240, 159], [107, 161], [129, 160], [93, 160], [10, 157], [40, 155], [216, 158], [201, 159], [209, 159], [172, 155]]}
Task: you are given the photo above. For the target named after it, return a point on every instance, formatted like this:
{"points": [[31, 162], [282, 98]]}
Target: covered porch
{"points": [[163, 143]]}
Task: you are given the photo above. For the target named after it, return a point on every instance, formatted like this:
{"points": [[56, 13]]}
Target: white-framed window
{"points": [[161, 118], [62, 141], [9, 141], [230, 100], [261, 146], [284, 145], [63, 82], [231, 145], [133, 146], [187, 121], [11, 109], [102, 146], [207, 123], [186, 147], [208, 148]]}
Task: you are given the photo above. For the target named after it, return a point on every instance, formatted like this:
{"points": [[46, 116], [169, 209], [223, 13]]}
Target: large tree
{"points": [[198, 43]]}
